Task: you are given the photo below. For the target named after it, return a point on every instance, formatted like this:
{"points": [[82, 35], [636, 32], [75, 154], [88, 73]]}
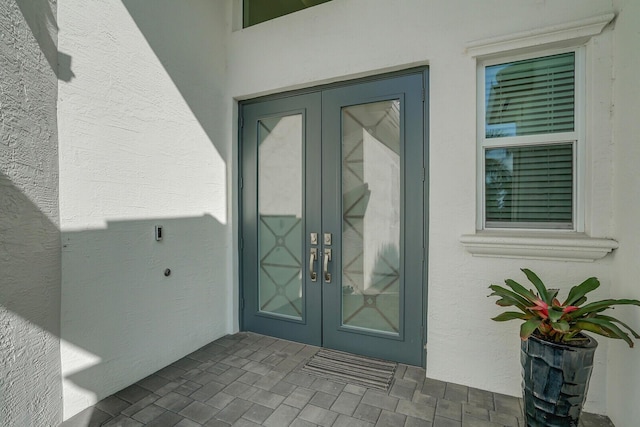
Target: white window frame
{"points": [[577, 138]]}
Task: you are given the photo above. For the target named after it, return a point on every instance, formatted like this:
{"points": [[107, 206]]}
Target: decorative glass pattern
{"points": [[280, 215], [371, 200]]}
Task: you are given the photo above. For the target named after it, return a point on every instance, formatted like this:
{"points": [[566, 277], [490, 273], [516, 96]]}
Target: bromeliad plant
{"points": [[544, 315]]}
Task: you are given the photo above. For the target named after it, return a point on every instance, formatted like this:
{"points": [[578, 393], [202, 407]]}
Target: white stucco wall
{"points": [[143, 141], [351, 38], [147, 137], [624, 363], [30, 386]]}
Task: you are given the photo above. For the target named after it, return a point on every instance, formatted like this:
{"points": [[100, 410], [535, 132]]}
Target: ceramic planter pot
{"points": [[555, 379]]}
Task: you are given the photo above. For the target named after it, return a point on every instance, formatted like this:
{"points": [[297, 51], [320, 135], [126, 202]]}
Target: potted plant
{"points": [[556, 356]]}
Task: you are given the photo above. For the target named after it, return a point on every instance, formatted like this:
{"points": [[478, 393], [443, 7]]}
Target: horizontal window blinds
{"points": [[534, 96], [529, 184]]}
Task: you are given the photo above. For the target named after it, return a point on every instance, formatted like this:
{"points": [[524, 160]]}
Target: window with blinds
{"points": [[529, 143]]}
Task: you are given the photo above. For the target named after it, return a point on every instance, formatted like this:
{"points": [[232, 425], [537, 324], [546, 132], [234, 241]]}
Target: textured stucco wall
{"points": [[351, 38], [30, 384], [143, 142], [624, 363]]}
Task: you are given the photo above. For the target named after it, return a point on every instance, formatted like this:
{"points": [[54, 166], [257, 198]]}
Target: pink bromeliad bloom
{"points": [[569, 309], [541, 307]]}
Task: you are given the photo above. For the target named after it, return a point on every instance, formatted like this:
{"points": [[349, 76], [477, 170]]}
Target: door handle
{"points": [[313, 256], [327, 258]]}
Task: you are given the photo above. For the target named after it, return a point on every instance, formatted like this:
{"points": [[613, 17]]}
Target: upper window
{"points": [[257, 11], [529, 142]]}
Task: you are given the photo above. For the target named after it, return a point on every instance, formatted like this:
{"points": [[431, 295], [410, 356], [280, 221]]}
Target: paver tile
{"points": [[199, 412], [380, 400], [507, 404], [346, 421], [171, 372], [403, 389], [481, 398], [299, 422], [367, 412], [469, 410], [148, 414], [434, 388], [355, 389], [299, 397], [346, 403], [318, 415], [283, 388], [448, 409], [282, 416], [187, 423], [390, 419], [417, 422], [503, 419], [456, 393], [207, 391], [327, 386], [153, 382], [167, 418], [174, 402], [220, 400], [415, 410], [122, 421], [323, 400], [112, 405], [257, 413], [140, 404], [446, 422], [133, 393], [266, 398], [234, 410]]}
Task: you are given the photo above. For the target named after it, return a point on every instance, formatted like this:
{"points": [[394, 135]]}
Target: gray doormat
{"points": [[351, 369]]}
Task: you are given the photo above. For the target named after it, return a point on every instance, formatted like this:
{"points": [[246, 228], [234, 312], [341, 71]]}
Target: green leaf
{"points": [[561, 326], [509, 296], [555, 314], [580, 301], [542, 290], [613, 319], [553, 293], [528, 327], [511, 315], [602, 325], [601, 306], [521, 290], [579, 291]]}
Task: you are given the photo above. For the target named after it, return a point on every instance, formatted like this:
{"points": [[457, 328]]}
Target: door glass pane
{"points": [[280, 215], [371, 216]]}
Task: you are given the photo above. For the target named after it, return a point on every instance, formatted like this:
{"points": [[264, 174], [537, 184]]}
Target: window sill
{"points": [[546, 246]]}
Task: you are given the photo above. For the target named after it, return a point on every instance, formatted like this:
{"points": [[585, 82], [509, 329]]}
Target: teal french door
{"points": [[333, 213]]}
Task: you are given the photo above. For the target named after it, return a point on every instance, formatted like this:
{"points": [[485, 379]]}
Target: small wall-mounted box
{"points": [[159, 232]]}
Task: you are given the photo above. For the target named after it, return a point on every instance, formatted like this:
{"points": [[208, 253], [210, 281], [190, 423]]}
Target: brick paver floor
{"points": [[246, 380]]}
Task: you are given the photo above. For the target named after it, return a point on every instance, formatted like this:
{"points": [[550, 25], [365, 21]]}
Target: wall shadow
{"points": [[42, 21], [117, 305], [160, 22], [29, 308]]}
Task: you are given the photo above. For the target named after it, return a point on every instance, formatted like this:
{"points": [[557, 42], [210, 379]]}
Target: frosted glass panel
{"points": [[280, 213], [371, 195]]}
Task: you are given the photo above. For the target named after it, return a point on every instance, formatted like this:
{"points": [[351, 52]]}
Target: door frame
{"points": [[424, 71]]}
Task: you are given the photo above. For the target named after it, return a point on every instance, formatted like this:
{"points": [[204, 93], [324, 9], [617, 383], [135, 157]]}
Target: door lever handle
{"points": [[313, 256], [327, 258]]}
